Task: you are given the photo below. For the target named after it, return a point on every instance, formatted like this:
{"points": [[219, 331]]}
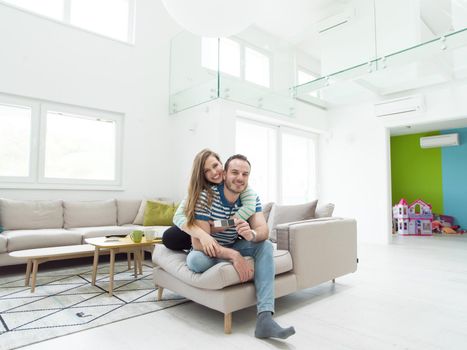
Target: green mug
{"points": [[136, 236]]}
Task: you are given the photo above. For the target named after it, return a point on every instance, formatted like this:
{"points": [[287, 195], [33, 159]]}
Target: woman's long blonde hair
{"points": [[198, 183]]}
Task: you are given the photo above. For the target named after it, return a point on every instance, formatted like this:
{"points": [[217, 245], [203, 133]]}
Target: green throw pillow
{"points": [[159, 214]]}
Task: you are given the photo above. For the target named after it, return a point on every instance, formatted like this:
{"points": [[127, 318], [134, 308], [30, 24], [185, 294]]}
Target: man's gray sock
{"points": [[266, 327]]}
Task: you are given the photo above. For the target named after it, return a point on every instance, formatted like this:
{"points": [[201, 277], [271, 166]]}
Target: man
{"points": [[245, 239]]}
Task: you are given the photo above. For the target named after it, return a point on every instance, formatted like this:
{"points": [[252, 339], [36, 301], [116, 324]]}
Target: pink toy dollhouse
{"points": [[400, 213], [413, 219], [420, 218]]}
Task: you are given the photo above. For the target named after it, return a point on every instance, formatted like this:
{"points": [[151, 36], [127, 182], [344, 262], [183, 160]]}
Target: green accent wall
{"points": [[416, 172]]}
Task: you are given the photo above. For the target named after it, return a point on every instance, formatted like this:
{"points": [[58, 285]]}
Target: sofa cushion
{"points": [[89, 214], [101, 231], [287, 213], [23, 215], [127, 210], [3, 242], [28, 239], [324, 211], [219, 276]]}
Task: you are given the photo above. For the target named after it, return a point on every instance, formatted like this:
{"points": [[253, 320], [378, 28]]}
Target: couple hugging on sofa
{"points": [[214, 194]]}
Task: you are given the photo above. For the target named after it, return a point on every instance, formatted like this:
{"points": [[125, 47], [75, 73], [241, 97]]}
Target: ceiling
{"points": [[297, 21]]}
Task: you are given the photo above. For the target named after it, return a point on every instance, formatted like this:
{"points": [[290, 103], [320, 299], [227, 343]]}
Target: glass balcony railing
{"points": [[436, 61], [367, 48], [238, 69]]}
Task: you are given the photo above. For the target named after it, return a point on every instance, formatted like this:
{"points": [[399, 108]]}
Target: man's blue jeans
{"points": [[262, 253]]}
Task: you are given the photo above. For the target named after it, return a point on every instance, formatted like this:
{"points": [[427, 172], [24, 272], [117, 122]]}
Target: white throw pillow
{"points": [[280, 214]]}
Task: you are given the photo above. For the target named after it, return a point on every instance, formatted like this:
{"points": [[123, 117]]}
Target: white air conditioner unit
{"points": [[404, 105], [335, 20], [439, 141]]}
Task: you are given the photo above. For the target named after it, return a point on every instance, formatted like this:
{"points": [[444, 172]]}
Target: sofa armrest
{"points": [[321, 249]]}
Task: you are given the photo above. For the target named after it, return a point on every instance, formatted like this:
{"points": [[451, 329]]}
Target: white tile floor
{"points": [[408, 295]]}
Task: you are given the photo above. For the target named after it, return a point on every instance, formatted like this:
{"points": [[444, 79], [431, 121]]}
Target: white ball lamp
{"points": [[213, 18]]}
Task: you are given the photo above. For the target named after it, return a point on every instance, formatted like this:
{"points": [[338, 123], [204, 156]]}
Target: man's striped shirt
{"points": [[247, 197], [219, 209]]}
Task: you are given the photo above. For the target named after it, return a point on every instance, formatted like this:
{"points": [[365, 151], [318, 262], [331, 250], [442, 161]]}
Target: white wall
{"points": [[47, 60], [355, 157]]}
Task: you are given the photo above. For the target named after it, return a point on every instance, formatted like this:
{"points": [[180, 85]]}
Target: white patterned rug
{"points": [[65, 302]]}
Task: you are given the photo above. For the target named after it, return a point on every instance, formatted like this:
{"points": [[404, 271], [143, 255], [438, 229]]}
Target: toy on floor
{"points": [[449, 230], [413, 219], [445, 224]]}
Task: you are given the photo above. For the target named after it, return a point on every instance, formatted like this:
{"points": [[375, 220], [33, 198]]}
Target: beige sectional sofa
{"points": [[309, 252], [52, 223]]}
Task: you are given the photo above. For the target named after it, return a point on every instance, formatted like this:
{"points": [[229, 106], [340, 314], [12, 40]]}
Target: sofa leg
{"points": [[228, 323], [333, 280], [160, 290]]}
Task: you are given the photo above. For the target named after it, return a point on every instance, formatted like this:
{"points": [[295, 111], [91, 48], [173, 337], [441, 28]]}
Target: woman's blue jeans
{"points": [[262, 253]]}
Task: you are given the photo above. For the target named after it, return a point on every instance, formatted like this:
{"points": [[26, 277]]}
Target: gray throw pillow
{"points": [[281, 214], [324, 211], [267, 210]]}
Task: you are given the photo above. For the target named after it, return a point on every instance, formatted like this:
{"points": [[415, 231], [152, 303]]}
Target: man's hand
{"points": [[243, 228], [244, 270]]}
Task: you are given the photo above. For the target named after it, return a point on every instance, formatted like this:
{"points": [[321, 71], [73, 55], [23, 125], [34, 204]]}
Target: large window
{"points": [[283, 161], [259, 143], [49, 8], [46, 144], [112, 18], [79, 147], [298, 166], [236, 59], [257, 68]]}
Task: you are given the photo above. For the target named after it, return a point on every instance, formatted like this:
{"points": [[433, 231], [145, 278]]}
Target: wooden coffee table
{"points": [[39, 255], [118, 245]]}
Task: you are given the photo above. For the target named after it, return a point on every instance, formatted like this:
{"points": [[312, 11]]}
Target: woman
{"points": [[207, 170]]}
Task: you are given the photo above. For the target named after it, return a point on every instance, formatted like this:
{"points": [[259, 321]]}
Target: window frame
{"points": [[36, 178], [34, 141], [66, 20]]}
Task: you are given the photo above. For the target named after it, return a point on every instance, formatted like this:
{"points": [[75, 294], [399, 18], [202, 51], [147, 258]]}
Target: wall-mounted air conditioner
{"points": [[334, 21], [439, 141], [405, 105]]}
